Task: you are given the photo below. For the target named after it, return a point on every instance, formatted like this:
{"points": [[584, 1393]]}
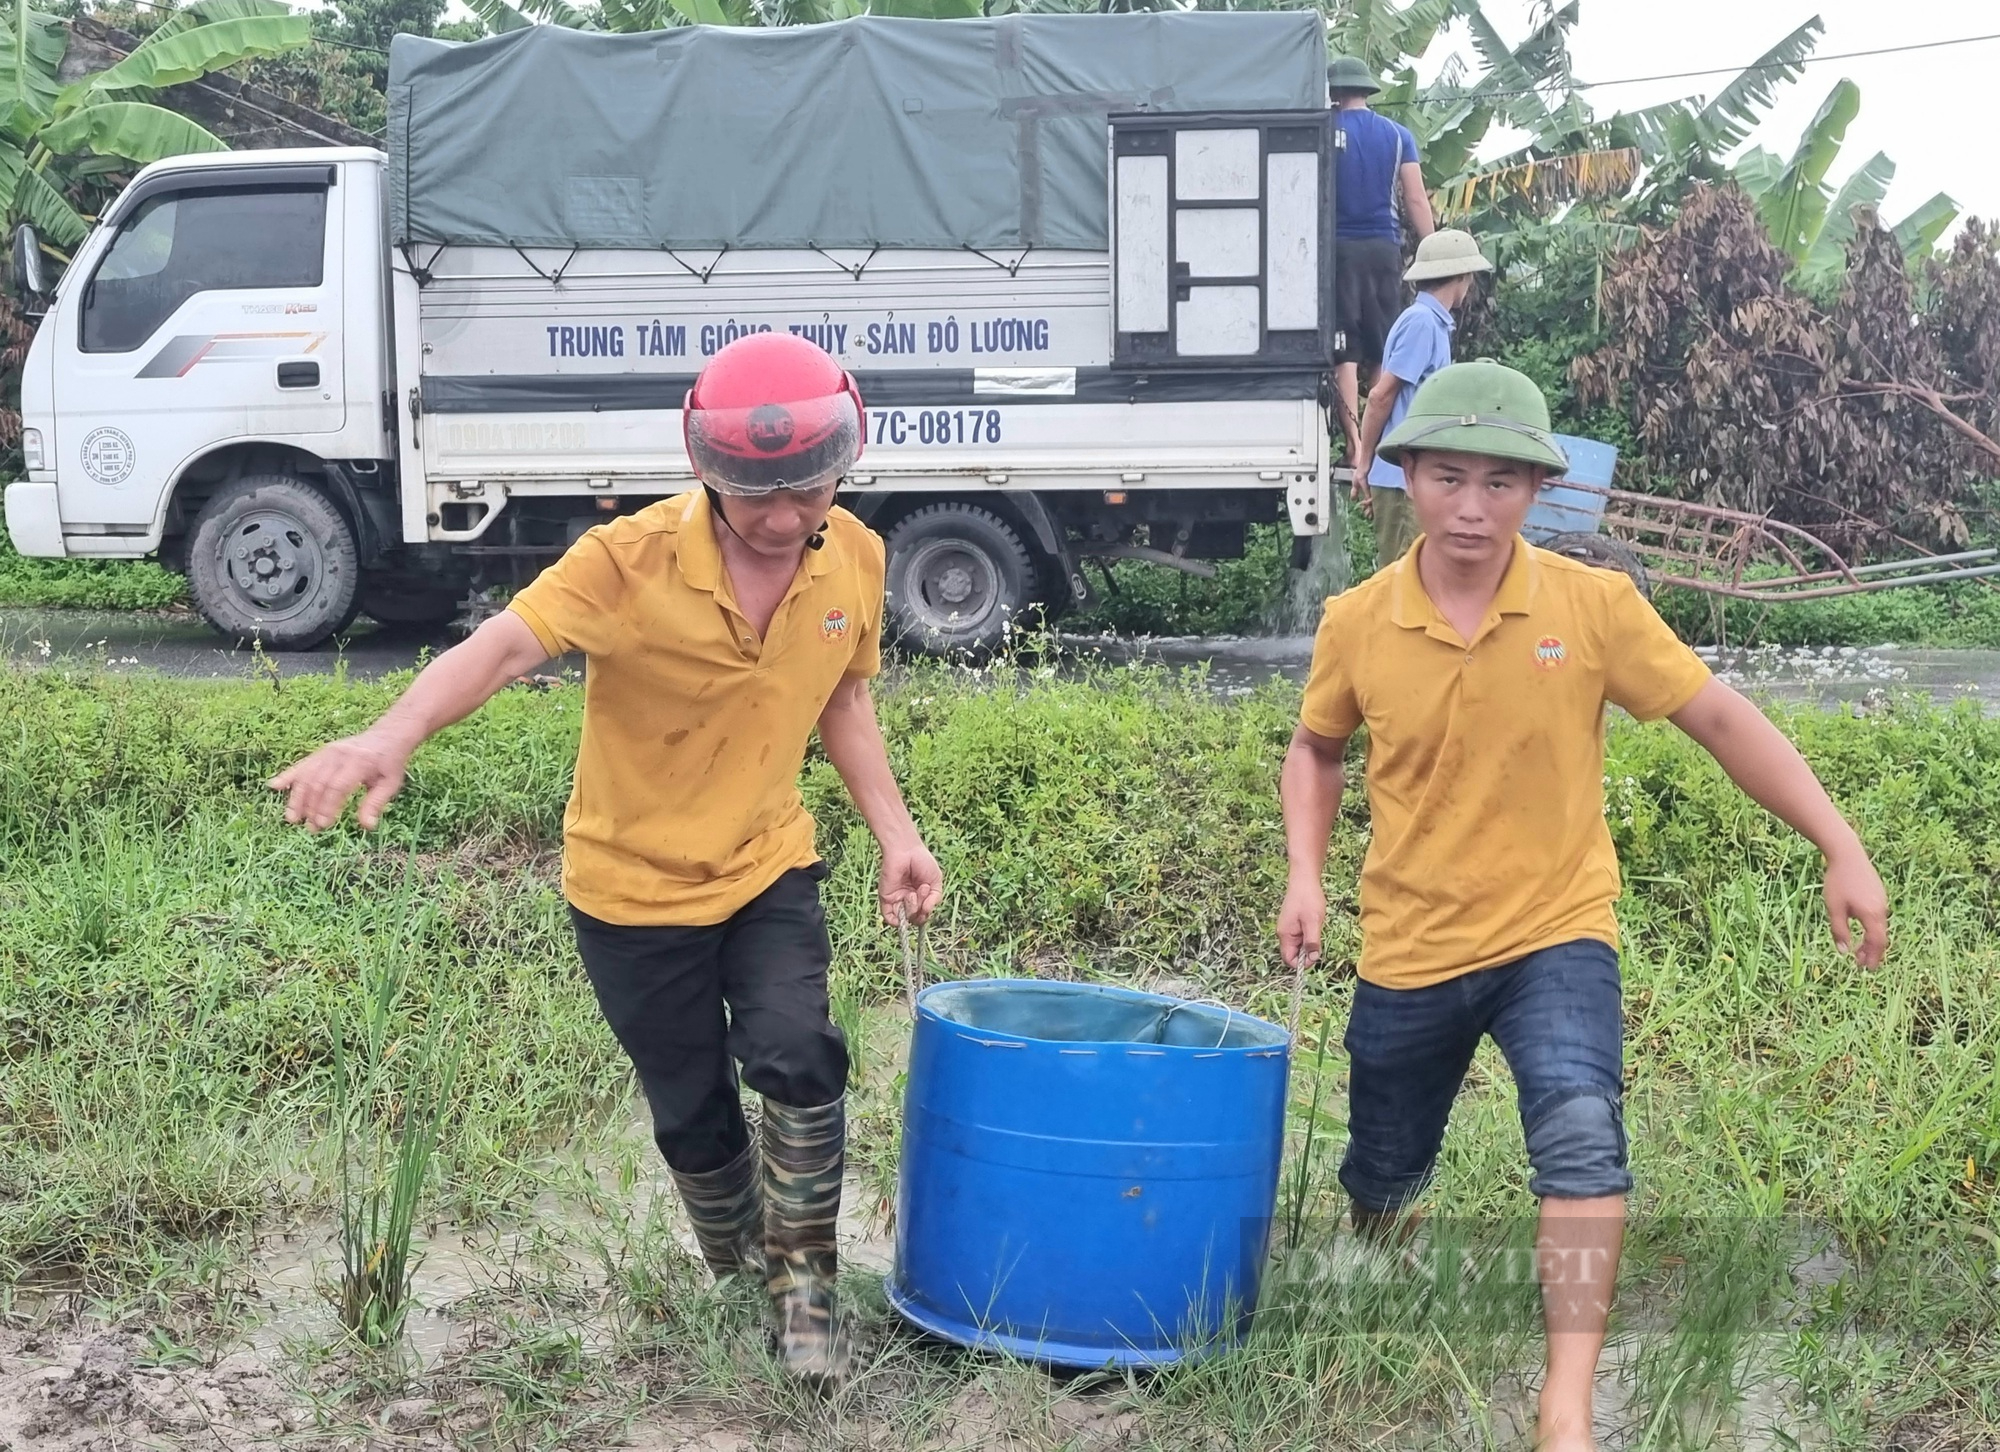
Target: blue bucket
{"points": [[1564, 508], [1088, 1173]]}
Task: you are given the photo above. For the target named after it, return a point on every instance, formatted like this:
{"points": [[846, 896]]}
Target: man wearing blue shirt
{"points": [[1376, 165], [1417, 346]]}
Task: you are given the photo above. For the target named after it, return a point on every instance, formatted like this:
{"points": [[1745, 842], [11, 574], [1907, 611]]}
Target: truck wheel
{"points": [[1605, 553], [270, 559], [958, 575]]}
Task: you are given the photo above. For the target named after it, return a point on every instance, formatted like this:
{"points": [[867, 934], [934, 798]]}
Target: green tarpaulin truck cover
{"points": [[861, 133]]}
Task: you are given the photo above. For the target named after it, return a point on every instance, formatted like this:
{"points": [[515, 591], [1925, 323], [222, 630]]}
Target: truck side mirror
{"points": [[29, 284]]}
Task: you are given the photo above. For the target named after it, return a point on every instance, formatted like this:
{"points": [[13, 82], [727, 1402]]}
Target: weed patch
{"points": [[173, 961]]}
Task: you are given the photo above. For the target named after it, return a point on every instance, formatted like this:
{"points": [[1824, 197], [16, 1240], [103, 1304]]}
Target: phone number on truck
{"points": [[936, 425]]}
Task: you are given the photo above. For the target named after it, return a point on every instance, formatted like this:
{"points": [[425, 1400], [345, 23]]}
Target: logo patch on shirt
{"points": [[1550, 652], [834, 625]]}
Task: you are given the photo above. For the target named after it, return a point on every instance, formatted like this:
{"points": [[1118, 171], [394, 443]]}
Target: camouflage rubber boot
{"points": [[728, 1215], [803, 1155]]}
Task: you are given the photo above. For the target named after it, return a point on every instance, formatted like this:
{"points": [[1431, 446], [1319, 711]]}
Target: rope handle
{"points": [[913, 961], [1306, 961]]}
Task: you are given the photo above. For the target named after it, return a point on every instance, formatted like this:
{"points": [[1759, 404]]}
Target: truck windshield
{"points": [[179, 244]]}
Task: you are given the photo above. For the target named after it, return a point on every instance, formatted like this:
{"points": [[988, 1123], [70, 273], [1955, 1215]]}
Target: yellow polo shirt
{"points": [[686, 803], [1486, 757]]}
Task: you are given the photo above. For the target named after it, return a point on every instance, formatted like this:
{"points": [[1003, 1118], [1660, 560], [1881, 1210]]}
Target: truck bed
{"points": [[545, 371]]}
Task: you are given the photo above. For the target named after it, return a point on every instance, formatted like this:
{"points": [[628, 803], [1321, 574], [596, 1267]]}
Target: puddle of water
{"points": [[1237, 665], [1831, 675], [183, 646]]}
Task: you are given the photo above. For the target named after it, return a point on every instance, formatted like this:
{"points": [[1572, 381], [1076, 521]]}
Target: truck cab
{"points": [[210, 383]]}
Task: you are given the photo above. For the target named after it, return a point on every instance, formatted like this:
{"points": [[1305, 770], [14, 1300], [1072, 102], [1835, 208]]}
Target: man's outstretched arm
{"points": [[1771, 772], [912, 882], [450, 688]]}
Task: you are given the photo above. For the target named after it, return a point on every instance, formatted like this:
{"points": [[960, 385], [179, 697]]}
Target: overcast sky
{"points": [[1932, 111]]}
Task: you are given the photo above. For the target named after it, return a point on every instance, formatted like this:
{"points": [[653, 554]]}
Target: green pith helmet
{"points": [[1478, 408], [1346, 73]]}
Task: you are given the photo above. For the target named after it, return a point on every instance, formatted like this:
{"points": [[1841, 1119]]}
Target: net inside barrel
{"points": [[1088, 1172]]}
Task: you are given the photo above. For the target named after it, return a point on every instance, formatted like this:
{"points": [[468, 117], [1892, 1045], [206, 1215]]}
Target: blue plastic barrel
{"points": [[1088, 1173], [1562, 508]]}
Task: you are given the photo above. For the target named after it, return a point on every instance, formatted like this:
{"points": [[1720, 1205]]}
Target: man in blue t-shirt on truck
{"points": [[1377, 165]]}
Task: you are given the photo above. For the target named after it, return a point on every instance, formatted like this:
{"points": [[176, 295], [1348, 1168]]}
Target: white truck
{"points": [[1080, 266]]}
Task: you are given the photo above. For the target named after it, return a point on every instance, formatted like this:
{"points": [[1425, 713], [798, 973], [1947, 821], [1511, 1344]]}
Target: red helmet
{"points": [[772, 411]]}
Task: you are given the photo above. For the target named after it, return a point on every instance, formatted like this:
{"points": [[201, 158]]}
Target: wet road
{"points": [[181, 645]]}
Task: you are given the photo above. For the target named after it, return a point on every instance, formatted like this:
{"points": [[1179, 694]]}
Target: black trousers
{"points": [[689, 1004], [1367, 296]]}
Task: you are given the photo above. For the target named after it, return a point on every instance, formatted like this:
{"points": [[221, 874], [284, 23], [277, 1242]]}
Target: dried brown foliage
{"points": [[1853, 422], [1965, 309]]}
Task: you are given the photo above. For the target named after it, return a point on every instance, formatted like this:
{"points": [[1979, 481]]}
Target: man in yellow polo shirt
{"points": [[1481, 668], [721, 628]]}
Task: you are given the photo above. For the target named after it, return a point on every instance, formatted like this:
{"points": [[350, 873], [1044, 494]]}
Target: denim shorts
{"points": [[1556, 1016]]}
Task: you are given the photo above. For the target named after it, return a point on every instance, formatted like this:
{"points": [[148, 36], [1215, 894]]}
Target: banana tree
{"points": [[1640, 160], [54, 137], [1814, 227], [1568, 155]]}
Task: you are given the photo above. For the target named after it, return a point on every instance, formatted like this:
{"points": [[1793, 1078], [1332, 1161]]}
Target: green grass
{"points": [[86, 584], [173, 959]]}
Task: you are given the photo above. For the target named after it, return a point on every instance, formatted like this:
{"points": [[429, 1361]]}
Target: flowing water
{"points": [[1824, 676], [1325, 574], [181, 645]]}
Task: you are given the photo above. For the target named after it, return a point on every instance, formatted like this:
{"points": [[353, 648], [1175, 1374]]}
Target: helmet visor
{"points": [[803, 445]]}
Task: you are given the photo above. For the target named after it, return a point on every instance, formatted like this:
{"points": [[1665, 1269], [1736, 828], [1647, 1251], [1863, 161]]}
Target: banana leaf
{"points": [[190, 54], [33, 50], [717, 12], [498, 16], [1795, 206], [29, 198], [136, 130], [1869, 183], [203, 12], [1757, 172], [1918, 233], [927, 9], [1725, 122]]}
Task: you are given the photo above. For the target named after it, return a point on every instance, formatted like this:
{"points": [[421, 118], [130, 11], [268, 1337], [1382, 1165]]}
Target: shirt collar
{"points": [[1413, 609], [701, 556], [1425, 299], [1516, 595]]}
